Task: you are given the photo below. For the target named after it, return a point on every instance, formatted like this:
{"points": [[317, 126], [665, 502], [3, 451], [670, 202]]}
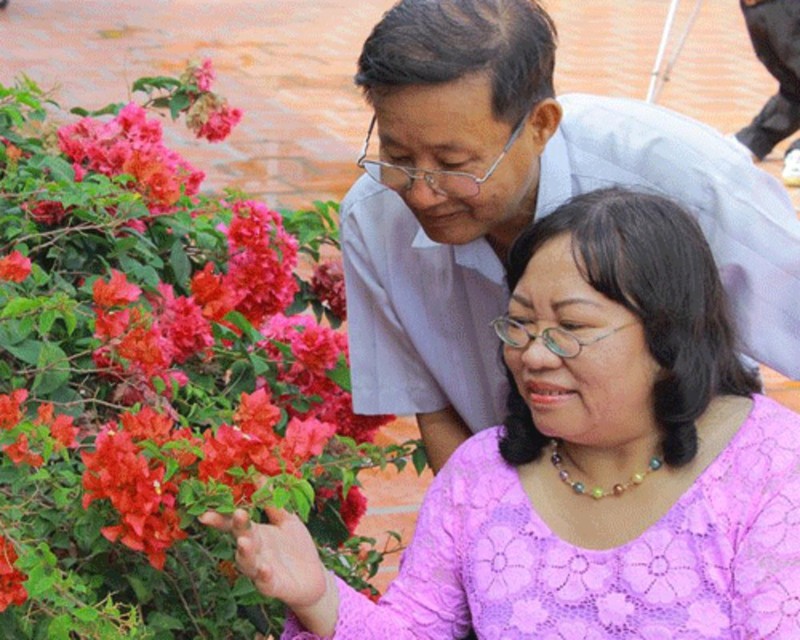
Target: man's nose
{"points": [[422, 193]]}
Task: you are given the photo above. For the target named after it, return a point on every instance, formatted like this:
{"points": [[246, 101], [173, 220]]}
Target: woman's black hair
{"points": [[646, 253]]}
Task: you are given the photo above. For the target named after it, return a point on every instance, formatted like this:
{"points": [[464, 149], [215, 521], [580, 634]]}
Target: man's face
{"points": [[451, 127]]}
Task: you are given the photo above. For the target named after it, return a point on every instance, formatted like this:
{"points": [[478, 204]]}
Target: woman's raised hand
{"points": [[282, 561]]}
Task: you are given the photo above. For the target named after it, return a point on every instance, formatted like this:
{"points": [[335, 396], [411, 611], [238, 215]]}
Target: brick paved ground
{"points": [[289, 63]]}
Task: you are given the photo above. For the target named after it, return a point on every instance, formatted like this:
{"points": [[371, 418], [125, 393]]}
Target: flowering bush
{"points": [[160, 356]]}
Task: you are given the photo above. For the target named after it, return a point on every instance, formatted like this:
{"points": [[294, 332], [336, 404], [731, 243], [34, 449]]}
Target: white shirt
{"points": [[419, 311]]}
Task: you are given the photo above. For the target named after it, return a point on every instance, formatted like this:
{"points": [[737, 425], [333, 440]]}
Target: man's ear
{"points": [[544, 118]]}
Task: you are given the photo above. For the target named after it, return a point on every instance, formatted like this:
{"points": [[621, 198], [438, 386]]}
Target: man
{"points": [[468, 144], [774, 28]]}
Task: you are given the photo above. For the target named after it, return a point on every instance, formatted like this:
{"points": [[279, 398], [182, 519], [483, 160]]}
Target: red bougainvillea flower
{"points": [[263, 256], [148, 424], [116, 292], [62, 427], [229, 447], [19, 453], [117, 471], [212, 294], [258, 416], [12, 590], [111, 324], [327, 283], [182, 324], [47, 212], [11, 408], [145, 349], [14, 267], [252, 445], [352, 508]]}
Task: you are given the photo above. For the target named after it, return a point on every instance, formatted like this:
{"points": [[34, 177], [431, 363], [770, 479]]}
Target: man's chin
{"points": [[452, 235]]}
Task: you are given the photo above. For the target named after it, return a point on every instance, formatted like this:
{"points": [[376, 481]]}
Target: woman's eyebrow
{"points": [[557, 305]]}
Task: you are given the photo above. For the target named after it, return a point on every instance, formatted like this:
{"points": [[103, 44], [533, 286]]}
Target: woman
{"points": [[640, 488]]}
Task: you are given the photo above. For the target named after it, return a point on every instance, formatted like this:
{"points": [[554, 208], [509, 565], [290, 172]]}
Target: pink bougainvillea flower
{"points": [[14, 267], [305, 438], [117, 291], [316, 350], [12, 590], [204, 75], [219, 124], [211, 117], [131, 144]]}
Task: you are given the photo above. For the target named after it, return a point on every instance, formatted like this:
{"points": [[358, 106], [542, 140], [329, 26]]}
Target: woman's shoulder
{"points": [[768, 442], [481, 447], [774, 422]]}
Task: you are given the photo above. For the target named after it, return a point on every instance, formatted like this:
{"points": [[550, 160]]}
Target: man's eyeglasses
{"points": [[456, 184], [559, 341]]}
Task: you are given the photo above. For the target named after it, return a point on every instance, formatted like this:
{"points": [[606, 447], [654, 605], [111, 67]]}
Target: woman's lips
{"points": [[547, 395]]}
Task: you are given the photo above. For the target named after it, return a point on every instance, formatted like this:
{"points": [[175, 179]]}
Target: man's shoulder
{"points": [[600, 115], [365, 195], [636, 143]]}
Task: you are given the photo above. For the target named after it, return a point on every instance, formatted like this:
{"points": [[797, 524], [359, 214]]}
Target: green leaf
{"points": [[149, 83], [46, 320], [179, 102], [28, 351], [54, 370], [110, 109], [20, 306], [419, 459], [180, 264], [59, 169], [341, 374], [60, 627]]}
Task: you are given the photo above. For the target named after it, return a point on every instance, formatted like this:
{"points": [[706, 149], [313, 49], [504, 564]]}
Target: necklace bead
{"points": [[598, 492]]}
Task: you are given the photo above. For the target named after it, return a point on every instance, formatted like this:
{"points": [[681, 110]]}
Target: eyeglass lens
{"points": [[399, 179], [559, 342]]}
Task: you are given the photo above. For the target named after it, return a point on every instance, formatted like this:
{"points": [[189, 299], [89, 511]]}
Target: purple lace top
{"points": [[724, 562]]}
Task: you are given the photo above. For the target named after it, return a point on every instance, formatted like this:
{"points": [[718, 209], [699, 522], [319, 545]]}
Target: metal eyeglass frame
{"points": [[430, 175], [546, 335]]}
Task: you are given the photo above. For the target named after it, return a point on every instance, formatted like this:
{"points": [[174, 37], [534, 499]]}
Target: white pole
{"points": [[651, 92]]}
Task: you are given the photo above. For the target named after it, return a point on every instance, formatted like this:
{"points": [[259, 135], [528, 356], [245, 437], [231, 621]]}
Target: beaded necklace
{"points": [[598, 492]]}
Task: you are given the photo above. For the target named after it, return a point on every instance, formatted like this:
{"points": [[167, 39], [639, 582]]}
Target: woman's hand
{"points": [[281, 560]]}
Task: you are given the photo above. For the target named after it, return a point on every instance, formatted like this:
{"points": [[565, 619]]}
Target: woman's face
{"points": [[604, 395]]}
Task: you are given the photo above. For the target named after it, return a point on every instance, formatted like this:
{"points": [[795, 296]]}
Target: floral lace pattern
{"points": [[723, 563]]}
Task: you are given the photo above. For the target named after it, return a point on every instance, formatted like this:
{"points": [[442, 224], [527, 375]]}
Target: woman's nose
{"points": [[537, 356]]}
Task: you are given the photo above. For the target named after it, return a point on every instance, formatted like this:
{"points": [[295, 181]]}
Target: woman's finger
{"points": [[216, 521]]}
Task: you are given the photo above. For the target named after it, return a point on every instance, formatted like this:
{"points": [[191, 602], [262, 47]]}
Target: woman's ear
{"points": [[544, 119]]}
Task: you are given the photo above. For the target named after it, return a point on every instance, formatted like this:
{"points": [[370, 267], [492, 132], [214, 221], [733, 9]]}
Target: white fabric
{"points": [[419, 312]]}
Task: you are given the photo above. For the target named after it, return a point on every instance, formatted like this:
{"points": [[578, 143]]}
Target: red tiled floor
{"points": [[289, 65]]}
